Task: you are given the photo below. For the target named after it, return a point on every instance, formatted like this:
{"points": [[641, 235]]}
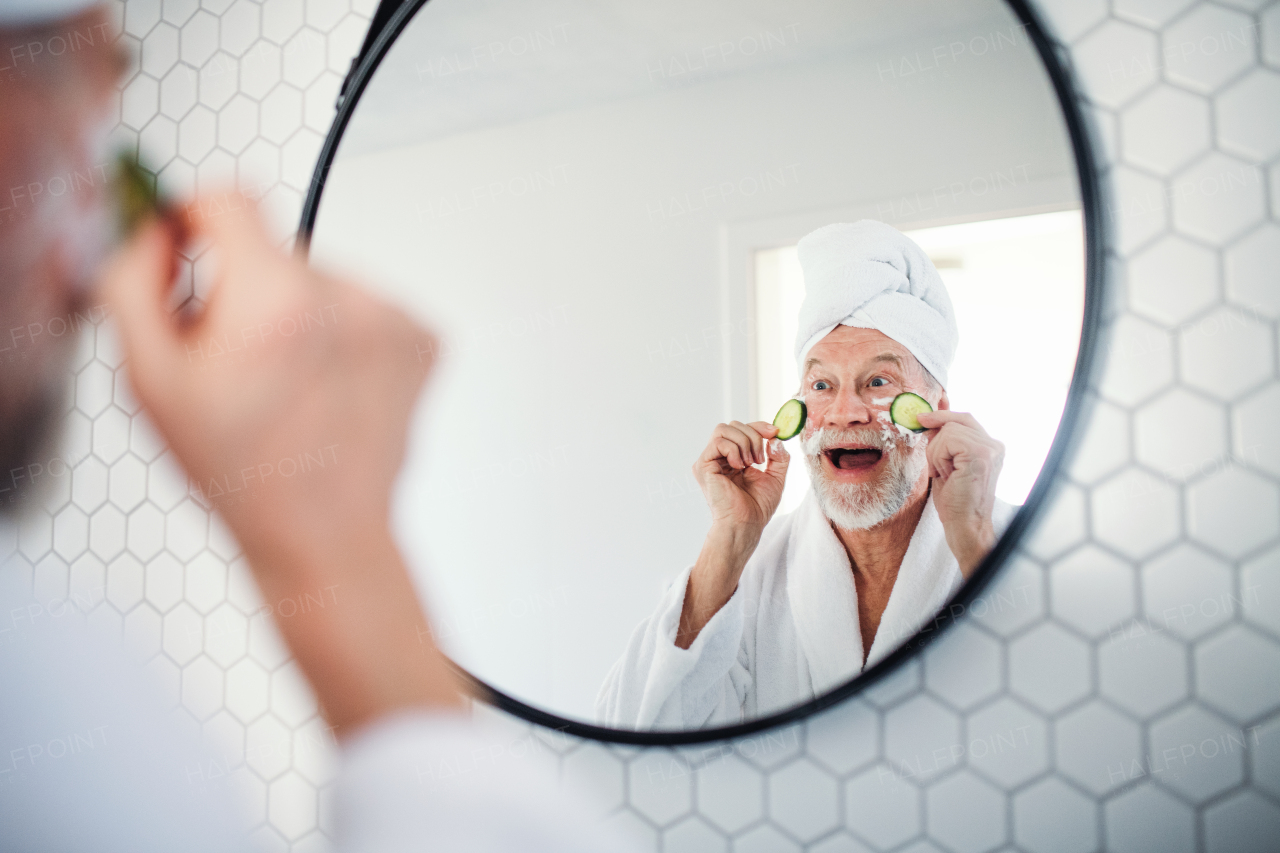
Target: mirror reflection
{"points": [[754, 328]]}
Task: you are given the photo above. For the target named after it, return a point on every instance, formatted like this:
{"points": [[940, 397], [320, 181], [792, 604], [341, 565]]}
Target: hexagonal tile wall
{"points": [[1116, 686]]}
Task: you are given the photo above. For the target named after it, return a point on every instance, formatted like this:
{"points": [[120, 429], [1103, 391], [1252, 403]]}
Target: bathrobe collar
{"points": [[824, 598]]}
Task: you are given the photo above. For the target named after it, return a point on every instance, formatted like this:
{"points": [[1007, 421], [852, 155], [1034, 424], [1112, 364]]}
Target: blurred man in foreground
{"points": [[88, 761]]}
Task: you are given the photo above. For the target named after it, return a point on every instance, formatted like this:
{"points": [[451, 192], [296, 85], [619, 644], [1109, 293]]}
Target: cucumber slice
{"points": [[135, 193], [906, 408], [790, 419]]}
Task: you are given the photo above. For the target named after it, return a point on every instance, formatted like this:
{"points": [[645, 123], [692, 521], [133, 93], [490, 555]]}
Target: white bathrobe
{"points": [[789, 632]]}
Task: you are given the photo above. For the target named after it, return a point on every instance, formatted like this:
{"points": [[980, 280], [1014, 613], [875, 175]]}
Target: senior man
{"points": [[90, 758], [779, 610]]}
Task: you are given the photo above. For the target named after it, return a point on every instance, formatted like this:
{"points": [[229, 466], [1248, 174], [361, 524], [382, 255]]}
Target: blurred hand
{"points": [[964, 463], [287, 400]]}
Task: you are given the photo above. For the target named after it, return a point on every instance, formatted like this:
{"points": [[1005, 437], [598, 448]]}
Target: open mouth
{"points": [[853, 458]]}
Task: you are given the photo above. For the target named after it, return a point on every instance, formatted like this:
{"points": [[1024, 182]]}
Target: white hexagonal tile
{"points": [[762, 839], [35, 535], [1194, 752], [1092, 590], [841, 842], [1247, 116], [291, 697], [143, 630], [842, 738], [247, 690], [219, 81], [965, 814], [167, 677], [49, 581], [238, 124], [111, 435], [140, 102], [260, 70], [1165, 129], [1226, 353], [1061, 525], [298, 158], [146, 531], [771, 748], [163, 582], [1260, 590], [1152, 14], [186, 527], [1013, 601], [1185, 591], [239, 27], [1136, 513], [1172, 280], [265, 644], [159, 51], [281, 114], [183, 634], [1137, 362], [199, 39], [964, 668], [180, 11], [94, 388], [1049, 668], [1145, 674], [922, 738], [125, 578], [660, 786], [1233, 511], [70, 532], [141, 17], [1263, 743], [1103, 443], [206, 582], [1208, 47], [304, 58], [802, 799], [1218, 198], [1180, 434], [282, 19], [292, 805], [268, 747], [178, 92], [197, 133], [1116, 62], [107, 529], [596, 771], [1139, 209], [1006, 743], [1236, 673], [1052, 817], [316, 755], [202, 688], [1249, 266], [89, 484], [1243, 823], [1270, 32], [1145, 819], [226, 635], [882, 808], [1096, 745]]}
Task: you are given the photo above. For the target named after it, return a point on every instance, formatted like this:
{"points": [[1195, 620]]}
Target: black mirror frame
{"points": [[390, 20]]}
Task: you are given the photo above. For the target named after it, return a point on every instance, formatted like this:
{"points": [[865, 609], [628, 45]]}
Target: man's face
{"points": [[863, 467], [57, 88]]}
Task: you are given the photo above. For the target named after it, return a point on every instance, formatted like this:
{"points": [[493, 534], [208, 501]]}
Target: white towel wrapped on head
{"points": [[870, 275]]}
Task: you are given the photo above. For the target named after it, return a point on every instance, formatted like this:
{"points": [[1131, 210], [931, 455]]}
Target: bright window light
{"points": [[1018, 289]]}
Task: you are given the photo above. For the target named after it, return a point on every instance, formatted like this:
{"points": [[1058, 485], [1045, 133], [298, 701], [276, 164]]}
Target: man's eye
{"points": [[879, 381], [821, 385]]}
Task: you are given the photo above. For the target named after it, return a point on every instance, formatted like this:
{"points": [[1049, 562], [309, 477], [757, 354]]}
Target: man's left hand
{"points": [[964, 463]]}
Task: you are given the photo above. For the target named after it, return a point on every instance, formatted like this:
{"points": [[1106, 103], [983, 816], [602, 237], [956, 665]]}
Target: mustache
{"points": [[826, 438]]}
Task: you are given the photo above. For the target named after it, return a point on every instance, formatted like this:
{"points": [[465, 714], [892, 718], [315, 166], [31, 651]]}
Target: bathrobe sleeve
{"points": [[433, 781], [658, 685]]}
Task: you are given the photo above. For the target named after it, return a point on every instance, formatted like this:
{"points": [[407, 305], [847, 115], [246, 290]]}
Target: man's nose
{"points": [[848, 409]]}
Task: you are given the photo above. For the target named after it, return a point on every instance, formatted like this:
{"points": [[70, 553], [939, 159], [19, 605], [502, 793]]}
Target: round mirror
{"points": [[640, 232]]}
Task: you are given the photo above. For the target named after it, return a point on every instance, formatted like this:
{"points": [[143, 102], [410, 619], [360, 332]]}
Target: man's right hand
{"points": [[739, 494], [742, 500]]}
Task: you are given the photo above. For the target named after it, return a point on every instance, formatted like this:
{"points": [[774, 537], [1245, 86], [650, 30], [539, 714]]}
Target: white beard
{"points": [[859, 506]]}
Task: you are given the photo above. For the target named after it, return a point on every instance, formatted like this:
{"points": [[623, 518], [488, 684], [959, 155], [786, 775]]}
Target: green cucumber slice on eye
{"points": [[906, 408], [790, 419]]}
